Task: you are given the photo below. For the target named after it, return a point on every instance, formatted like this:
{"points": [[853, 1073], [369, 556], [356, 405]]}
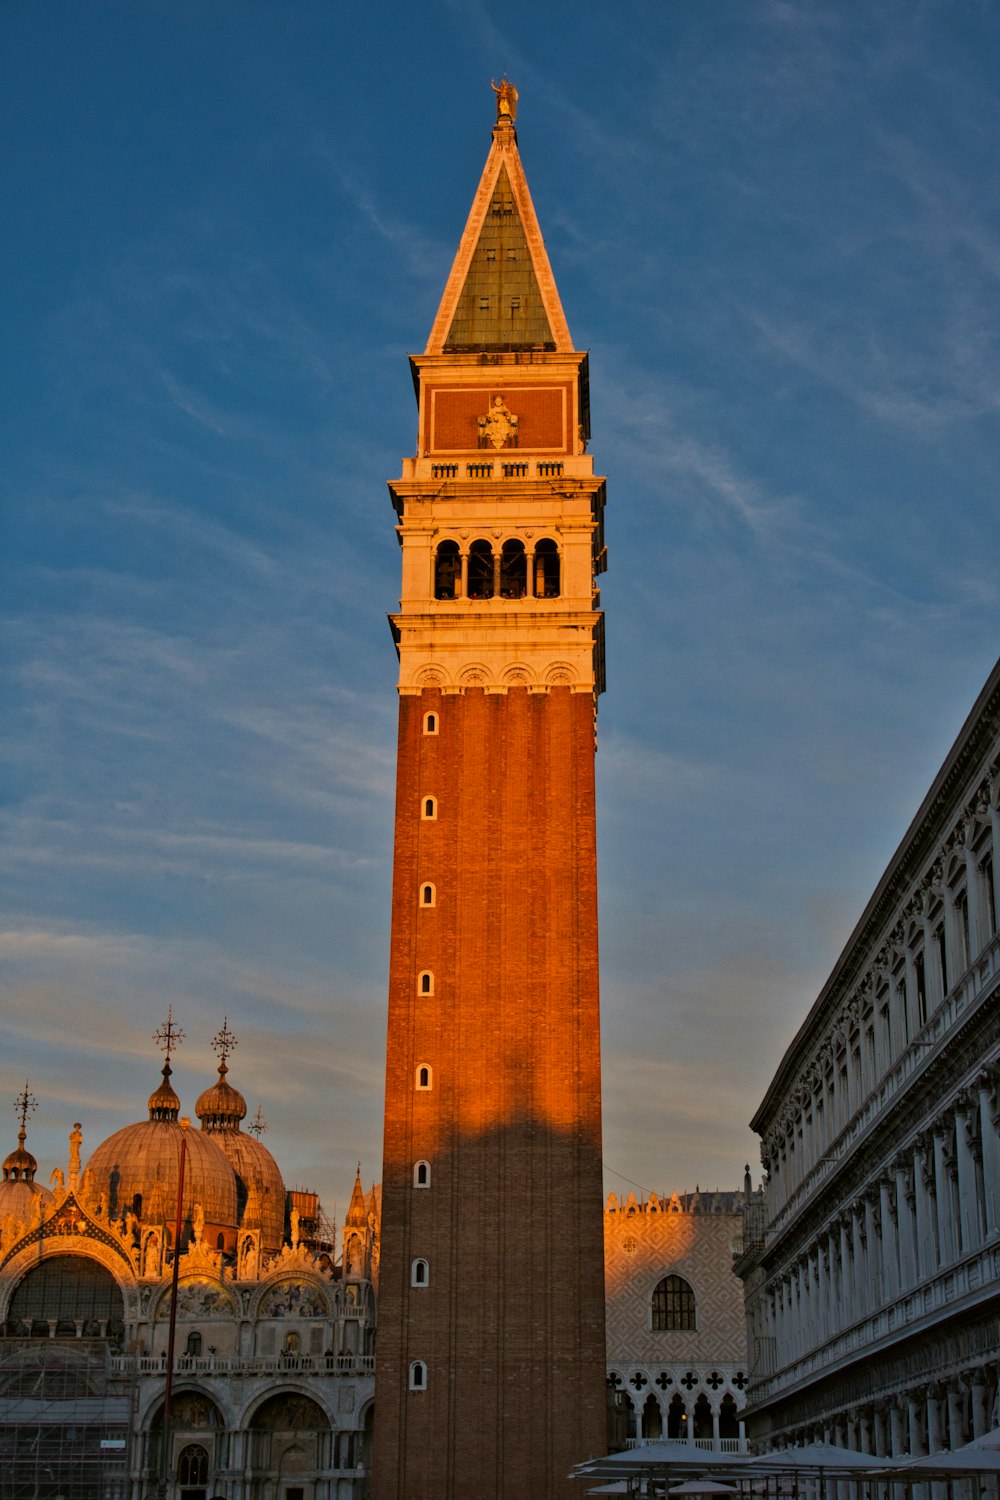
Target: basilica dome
{"points": [[19, 1192], [137, 1168], [259, 1187]]}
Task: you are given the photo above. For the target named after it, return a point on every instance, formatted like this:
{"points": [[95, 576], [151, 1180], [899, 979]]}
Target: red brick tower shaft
{"points": [[490, 1371]]}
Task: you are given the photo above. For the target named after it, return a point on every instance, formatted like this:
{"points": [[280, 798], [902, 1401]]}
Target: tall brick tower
{"points": [[490, 1378]]}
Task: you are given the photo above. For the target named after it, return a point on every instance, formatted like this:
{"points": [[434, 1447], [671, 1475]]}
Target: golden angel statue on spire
{"points": [[506, 99]]}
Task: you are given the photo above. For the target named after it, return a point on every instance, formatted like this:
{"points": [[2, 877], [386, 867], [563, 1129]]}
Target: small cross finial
{"points": [[25, 1104], [168, 1036], [258, 1125], [224, 1042]]}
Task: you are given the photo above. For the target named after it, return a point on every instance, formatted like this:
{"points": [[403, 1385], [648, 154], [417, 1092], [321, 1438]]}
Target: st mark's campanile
{"points": [[490, 1369]]}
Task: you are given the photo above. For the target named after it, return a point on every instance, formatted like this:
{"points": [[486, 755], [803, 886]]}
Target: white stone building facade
{"points": [[872, 1265]]}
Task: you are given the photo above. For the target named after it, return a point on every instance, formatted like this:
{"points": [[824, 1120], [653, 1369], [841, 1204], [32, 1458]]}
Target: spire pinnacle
{"points": [[501, 293], [357, 1213]]}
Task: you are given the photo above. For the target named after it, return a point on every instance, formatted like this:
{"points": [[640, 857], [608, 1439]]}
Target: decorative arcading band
{"points": [[479, 675]]}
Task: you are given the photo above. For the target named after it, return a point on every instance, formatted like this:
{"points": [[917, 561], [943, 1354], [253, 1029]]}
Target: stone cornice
{"points": [[943, 803]]}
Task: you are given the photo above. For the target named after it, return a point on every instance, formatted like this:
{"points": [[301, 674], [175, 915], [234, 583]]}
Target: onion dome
{"points": [[221, 1107], [19, 1192], [138, 1169], [260, 1191]]}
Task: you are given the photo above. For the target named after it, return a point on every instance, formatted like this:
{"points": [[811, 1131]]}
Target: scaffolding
{"points": [[64, 1421]]}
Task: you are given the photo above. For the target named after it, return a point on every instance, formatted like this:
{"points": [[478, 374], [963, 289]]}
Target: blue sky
{"points": [[775, 225]]}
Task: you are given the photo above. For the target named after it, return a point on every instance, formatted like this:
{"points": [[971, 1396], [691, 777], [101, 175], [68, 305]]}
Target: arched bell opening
{"points": [[480, 571], [547, 569], [513, 570], [447, 571]]}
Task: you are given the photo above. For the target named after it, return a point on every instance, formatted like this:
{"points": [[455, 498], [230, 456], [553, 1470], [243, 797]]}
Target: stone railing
{"points": [[704, 1445], [245, 1364], [955, 1286]]}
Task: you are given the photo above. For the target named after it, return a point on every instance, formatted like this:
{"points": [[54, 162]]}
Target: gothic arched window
{"points": [[673, 1306]]}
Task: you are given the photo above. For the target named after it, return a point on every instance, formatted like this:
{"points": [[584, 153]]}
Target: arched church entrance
{"points": [[197, 1445], [290, 1445]]}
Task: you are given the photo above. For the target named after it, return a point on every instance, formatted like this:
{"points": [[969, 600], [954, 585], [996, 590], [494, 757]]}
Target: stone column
{"points": [[934, 1423], [859, 1246], [914, 1022], [846, 1310], [904, 1219], [990, 1142], [716, 1439], [529, 588], [944, 1177], [933, 977], [956, 1415], [897, 1431], [995, 829], [974, 896], [925, 1217], [463, 585], [916, 1412], [967, 1150], [980, 1392], [887, 1229]]}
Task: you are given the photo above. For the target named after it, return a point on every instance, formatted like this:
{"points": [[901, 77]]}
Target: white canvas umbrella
{"points": [[702, 1486], [820, 1456]]}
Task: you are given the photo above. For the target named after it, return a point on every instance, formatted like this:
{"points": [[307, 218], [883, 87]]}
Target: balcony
{"points": [[244, 1364]]}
